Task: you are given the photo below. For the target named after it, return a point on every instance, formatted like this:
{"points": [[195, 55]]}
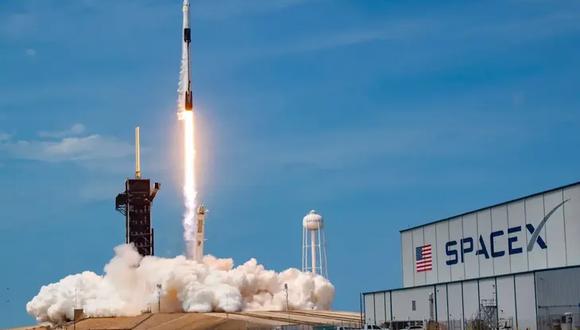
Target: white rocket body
{"points": [[186, 79]]}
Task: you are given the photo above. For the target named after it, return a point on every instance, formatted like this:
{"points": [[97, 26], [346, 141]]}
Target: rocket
{"points": [[186, 51]]}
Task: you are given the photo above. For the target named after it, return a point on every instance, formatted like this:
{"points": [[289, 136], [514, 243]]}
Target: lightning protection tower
{"points": [[135, 204], [314, 244]]}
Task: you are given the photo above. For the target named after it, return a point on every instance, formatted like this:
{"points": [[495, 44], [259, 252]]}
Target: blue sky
{"points": [[379, 114]]}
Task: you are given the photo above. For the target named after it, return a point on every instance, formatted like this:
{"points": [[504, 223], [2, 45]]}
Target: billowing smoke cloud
{"points": [[130, 286]]}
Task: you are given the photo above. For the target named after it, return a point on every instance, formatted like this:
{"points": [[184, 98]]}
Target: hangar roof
{"points": [[487, 207]]}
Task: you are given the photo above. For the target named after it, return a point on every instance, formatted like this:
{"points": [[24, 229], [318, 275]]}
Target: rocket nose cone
{"points": [[186, 2]]}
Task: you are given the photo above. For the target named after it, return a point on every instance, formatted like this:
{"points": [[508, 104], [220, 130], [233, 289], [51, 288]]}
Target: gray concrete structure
{"points": [[514, 265]]}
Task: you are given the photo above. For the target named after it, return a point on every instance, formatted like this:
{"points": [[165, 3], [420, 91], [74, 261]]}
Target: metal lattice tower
{"points": [[135, 204]]}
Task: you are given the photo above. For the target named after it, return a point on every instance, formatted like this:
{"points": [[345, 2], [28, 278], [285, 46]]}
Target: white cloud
{"points": [[217, 10], [31, 52], [398, 30], [74, 130], [391, 140], [83, 148], [104, 157]]}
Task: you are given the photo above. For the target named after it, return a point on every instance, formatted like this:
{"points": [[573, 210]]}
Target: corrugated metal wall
{"points": [[506, 227], [529, 301], [557, 292]]}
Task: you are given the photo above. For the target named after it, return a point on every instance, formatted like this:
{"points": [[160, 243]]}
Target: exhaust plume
{"points": [[130, 287], [189, 183]]}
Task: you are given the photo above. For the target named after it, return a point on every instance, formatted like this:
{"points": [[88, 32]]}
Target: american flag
{"points": [[423, 258]]}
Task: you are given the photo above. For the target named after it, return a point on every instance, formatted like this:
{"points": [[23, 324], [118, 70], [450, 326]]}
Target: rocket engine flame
{"points": [[189, 184]]}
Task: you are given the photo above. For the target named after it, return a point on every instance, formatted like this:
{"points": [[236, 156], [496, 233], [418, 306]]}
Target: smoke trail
{"points": [[189, 186], [130, 286]]}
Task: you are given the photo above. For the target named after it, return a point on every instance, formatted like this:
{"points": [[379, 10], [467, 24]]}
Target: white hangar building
{"points": [[511, 265]]}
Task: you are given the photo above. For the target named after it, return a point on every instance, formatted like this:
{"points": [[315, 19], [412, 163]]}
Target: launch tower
{"points": [[135, 204]]}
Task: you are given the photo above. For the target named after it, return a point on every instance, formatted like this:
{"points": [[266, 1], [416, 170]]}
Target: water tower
{"points": [[314, 244]]}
